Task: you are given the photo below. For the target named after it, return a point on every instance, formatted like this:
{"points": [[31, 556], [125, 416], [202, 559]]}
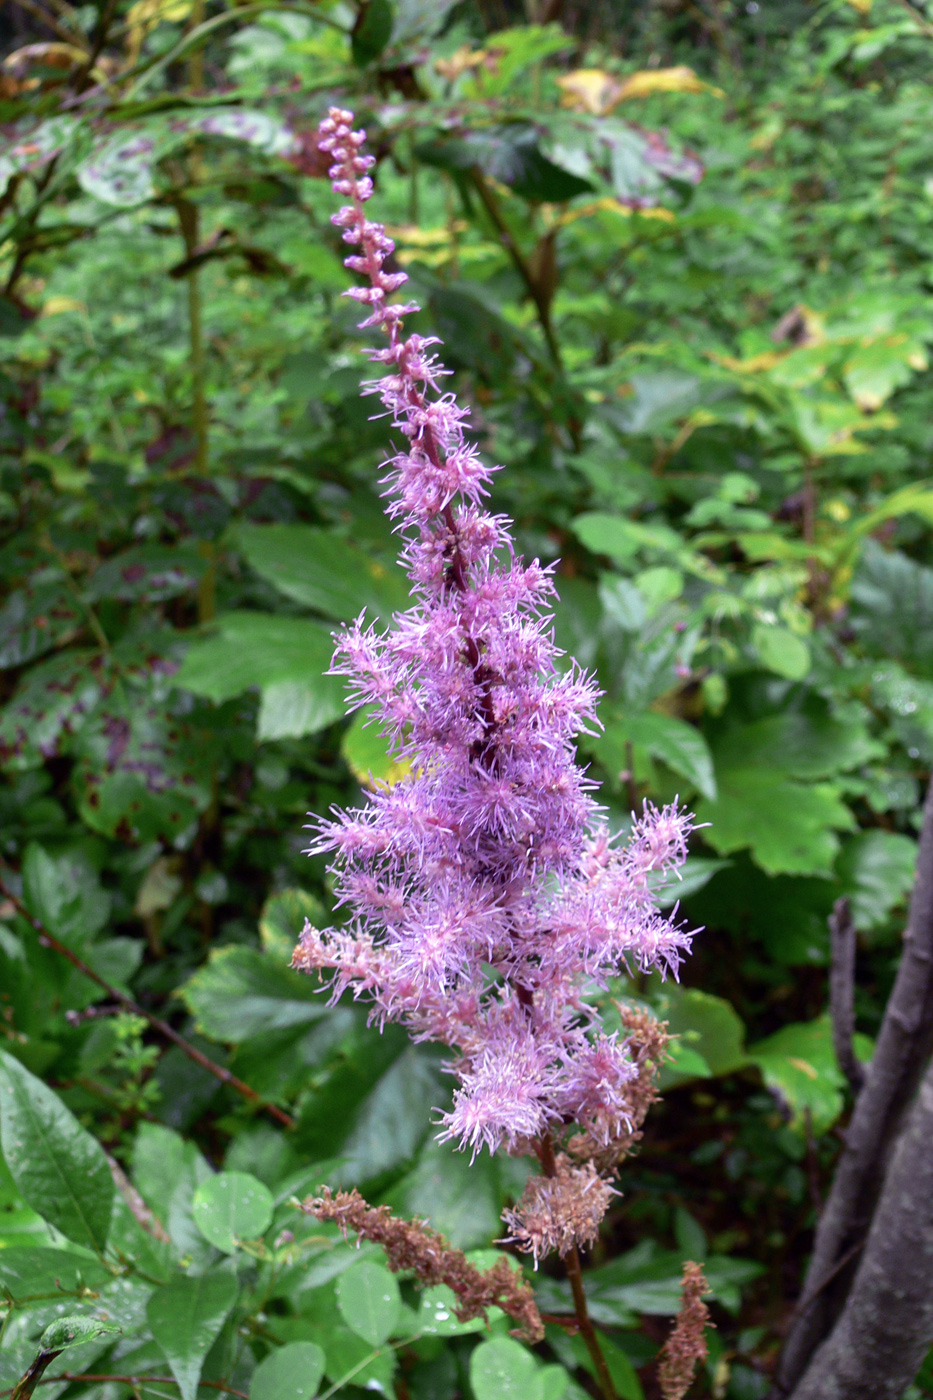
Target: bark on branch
{"points": [[884, 1331], [842, 991], [901, 1053]]}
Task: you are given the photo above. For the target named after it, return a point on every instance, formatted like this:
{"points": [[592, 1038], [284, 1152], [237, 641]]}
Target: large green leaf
{"points": [[185, 1317], [290, 1372], [678, 744], [707, 1027], [799, 1064], [510, 153], [790, 826], [240, 992], [876, 871], [230, 1207], [369, 1300], [318, 569], [285, 657], [59, 1169], [50, 702]]}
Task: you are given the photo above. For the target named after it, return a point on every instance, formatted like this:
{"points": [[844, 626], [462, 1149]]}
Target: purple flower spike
{"points": [[486, 896]]}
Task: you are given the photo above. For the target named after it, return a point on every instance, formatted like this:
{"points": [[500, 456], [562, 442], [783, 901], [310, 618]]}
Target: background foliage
{"points": [[680, 256]]}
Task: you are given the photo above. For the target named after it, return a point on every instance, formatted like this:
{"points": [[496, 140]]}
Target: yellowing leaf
{"points": [[679, 79], [607, 205], [598, 92], [55, 306], [753, 365], [589, 90]]}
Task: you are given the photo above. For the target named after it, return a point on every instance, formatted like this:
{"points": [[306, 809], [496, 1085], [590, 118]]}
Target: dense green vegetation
{"points": [[690, 309]]}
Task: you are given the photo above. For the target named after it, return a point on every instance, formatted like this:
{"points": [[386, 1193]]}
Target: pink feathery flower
{"points": [[486, 897]]}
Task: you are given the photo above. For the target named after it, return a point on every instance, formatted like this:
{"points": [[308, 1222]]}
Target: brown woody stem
{"points": [[545, 1150]]}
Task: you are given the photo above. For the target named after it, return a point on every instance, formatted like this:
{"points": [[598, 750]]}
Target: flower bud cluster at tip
{"points": [[486, 895]]}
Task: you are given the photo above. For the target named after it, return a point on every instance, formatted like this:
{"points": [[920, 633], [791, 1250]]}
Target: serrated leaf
{"points": [[291, 1372], [59, 1169], [790, 826], [230, 1207], [876, 871], [35, 619], [369, 1301], [285, 657], [49, 703], [799, 1064], [185, 1317], [241, 992]]}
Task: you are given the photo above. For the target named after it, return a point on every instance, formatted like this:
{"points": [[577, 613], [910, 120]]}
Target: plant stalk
{"points": [[575, 1275]]}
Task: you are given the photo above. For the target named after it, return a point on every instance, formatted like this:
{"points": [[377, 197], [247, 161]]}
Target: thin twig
{"points": [[842, 991], [225, 1076]]}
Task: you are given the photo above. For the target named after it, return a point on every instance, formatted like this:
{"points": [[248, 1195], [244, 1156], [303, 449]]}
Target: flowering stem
{"points": [[545, 1149]]}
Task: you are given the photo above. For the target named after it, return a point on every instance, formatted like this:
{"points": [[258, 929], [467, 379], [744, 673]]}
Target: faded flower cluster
{"points": [[486, 895]]}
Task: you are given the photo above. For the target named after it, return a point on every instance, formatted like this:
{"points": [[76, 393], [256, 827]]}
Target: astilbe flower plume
{"points": [[485, 892]]}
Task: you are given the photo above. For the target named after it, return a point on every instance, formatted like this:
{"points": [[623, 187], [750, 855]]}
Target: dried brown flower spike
{"points": [[412, 1245], [687, 1343]]}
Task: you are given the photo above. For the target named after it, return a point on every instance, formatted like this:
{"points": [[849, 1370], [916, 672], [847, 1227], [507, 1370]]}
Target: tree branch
{"points": [[842, 991], [884, 1332], [901, 1052], [48, 940]]}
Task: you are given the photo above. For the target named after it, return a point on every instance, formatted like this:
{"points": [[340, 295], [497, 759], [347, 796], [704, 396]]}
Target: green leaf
{"points": [[230, 1207], [185, 1317], [502, 1369], [49, 703], [705, 1024], [624, 1378], [59, 1169], [286, 657], [370, 1302], [807, 743], [790, 826], [512, 155], [34, 1269], [678, 744], [36, 618], [367, 754], [437, 1316], [460, 1198], [372, 31], [282, 919], [799, 1064], [154, 572], [145, 762], [319, 570], [892, 607], [291, 1372], [67, 1332], [62, 889], [781, 651], [240, 992], [876, 871]]}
